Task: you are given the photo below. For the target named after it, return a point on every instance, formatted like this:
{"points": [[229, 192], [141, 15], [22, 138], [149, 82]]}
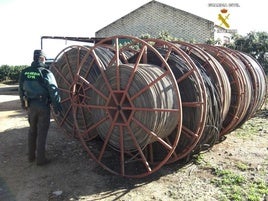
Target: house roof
{"points": [[159, 3]]}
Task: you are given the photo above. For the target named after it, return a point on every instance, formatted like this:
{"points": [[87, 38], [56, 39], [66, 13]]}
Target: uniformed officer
{"points": [[38, 90]]}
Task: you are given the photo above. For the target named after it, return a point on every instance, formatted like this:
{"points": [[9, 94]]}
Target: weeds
{"points": [[237, 187], [242, 166]]}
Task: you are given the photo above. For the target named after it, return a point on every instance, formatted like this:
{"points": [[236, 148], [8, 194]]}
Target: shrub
{"points": [[4, 72], [10, 73]]}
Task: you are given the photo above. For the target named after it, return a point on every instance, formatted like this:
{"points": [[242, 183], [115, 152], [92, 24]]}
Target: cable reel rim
{"points": [[173, 145]]}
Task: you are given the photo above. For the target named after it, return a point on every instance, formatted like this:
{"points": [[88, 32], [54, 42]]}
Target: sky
{"points": [[23, 22]]}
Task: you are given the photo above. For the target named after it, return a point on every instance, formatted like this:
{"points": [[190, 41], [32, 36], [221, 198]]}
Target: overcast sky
{"points": [[23, 22]]}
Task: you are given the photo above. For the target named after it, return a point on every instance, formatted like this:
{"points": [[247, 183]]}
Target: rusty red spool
{"points": [[136, 105]]}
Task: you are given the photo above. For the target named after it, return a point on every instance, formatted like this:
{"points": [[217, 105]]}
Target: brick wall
{"points": [[154, 17]]}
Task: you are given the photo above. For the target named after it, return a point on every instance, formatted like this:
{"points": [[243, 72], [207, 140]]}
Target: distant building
{"points": [[155, 17], [222, 34]]}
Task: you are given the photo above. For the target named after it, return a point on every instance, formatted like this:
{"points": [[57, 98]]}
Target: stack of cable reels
{"points": [[140, 104]]}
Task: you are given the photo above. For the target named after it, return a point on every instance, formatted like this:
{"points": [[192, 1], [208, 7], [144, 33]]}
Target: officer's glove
{"points": [[23, 106], [57, 110]]}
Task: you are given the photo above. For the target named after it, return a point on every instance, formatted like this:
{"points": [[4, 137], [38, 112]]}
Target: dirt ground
{"points": [[72, 175]]}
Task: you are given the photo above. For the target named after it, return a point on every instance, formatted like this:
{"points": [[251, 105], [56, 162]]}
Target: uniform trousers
{"points": [[39, 120]]}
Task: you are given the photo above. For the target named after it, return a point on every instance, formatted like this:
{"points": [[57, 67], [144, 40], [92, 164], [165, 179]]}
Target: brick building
{"points": [[155, 17]]}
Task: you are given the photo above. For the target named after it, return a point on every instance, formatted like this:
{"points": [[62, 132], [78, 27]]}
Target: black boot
{"points": [[31, 158], [42, 162]]}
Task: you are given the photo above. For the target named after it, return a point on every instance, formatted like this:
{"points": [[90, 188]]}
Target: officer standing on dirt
{"points": [[38, 90]]}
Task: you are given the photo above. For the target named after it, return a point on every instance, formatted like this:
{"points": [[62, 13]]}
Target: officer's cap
{"points": [[37, 54]]}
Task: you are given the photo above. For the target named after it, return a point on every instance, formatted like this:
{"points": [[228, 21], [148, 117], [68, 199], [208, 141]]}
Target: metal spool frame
{"points": [[194, 109], [240, 87], [65, 68], [257, 78], [262, 79], [218, 93], [144, 160], [215, 71]]}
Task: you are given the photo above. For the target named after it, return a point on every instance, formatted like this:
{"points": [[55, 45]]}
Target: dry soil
{"points": [[73, 175]]}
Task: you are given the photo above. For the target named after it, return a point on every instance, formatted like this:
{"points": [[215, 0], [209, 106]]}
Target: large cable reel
{"points": [[133, 105]]}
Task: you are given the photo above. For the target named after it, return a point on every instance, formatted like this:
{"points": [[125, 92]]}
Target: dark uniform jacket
{"points": [[37, 82]]}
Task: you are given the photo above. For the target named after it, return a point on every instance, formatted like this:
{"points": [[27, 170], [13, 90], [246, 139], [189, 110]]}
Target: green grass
{"points": [[237, 187], [242, 182], [227, 177], [236, 184], [242, 166], [254, 126]]}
